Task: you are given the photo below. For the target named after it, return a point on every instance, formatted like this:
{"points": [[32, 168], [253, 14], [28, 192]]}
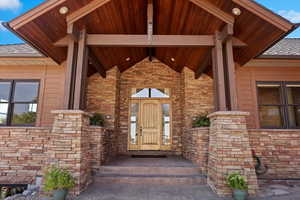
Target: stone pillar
{"points": [[229, 151], [69, 145]]}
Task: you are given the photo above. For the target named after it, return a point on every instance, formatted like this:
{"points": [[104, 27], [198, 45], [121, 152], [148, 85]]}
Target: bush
{"points": [[97, 120], [237, 182], [201, 121], [56, 178]]}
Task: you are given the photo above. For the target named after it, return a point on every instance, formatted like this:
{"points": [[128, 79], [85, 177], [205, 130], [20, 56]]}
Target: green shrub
{"points": [[97, 120], [201, 121], [56, 178], [237, 182]]}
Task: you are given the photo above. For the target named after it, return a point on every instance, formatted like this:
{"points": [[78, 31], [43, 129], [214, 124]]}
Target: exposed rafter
{"points": [[111, 40], [150, 19], [94, 61], [85, 10], [212, 9]]}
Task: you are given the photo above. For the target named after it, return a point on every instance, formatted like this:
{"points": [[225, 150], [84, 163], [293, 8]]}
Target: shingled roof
{"points": [[288, 47]]}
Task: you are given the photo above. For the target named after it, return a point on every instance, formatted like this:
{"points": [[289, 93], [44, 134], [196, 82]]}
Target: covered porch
{"points": [[150, 67]]}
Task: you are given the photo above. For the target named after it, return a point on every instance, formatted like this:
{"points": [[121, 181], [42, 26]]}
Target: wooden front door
{"points": [[150, 124]]}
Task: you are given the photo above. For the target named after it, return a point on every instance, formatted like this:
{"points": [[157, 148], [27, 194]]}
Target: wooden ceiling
{"points": [[171, 17]]}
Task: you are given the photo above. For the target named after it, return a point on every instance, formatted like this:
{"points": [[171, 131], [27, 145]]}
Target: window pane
{"points": [[294, 116], [159, 93], [293, 94], [24, 114], [133, 123], [3, 113], [4, 91], [26, 92], [270, 117], [141, 93], [166, 124], [268, 95]]}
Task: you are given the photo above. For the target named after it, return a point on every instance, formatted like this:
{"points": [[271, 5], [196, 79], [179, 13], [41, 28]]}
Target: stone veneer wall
{"points": [[103, 96], [102, 146], [146, 74], [229, 151], [279, 150], [197, 96], [22, 154], [195, 146], [71, 144]]}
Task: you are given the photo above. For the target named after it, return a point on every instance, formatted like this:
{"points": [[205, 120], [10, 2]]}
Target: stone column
{"points": [[69, 145], [229, 151]]}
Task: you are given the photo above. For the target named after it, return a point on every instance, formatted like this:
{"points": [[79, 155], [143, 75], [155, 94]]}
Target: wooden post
{"points": [[219, 75], [81, 72], [231, 76], [70, 74]]}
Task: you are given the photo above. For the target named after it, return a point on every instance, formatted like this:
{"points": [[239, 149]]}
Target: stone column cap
{"points": [[72, 112], [228, 113]]}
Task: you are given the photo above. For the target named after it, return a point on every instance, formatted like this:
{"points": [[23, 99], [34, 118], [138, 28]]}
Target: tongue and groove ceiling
{"points": [[171, 17]]}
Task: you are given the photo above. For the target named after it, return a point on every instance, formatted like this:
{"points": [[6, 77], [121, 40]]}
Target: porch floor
{"points": [[168, 161]]}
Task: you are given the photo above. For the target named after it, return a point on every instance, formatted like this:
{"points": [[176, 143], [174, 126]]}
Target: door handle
{"points": [[141, 130]]}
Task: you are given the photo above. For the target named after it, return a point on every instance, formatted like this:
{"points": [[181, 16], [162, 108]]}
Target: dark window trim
{"points": [[283, 100], [11, 101]]}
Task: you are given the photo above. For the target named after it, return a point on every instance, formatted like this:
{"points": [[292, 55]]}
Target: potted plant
{"points": [[201, 121], [97, 120], [239, 186], [58, 181]]}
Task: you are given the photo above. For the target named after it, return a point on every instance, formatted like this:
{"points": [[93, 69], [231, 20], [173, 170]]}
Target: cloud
{"points": [[292, 15], [10, 4], [2, 28]]}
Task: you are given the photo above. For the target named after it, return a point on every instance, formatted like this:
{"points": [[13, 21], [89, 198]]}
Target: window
{"points": [[279, 104], [18, 102], [150, 93], [166, 124]]}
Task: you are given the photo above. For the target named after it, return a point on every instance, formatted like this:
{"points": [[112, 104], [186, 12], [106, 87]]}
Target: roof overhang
{"points": [[42, 26]]}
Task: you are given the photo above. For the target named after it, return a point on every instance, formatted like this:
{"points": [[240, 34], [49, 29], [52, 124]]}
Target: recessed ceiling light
{"points": [[173, 59], [236, 11], [128, 59], [64, 10]]}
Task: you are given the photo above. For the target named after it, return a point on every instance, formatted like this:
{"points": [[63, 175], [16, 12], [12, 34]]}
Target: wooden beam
{"points": [[73, 31], [35, 13], [219, 75], [204, 64], [70, 74], [231, 76], [226, 33], [214, 10], [85, 10], [150, 19], [265, 14], [115, 40], [94, 61], [81, 72]]}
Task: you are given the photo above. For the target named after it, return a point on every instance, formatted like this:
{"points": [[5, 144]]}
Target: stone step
{"points": [[142, 170], [151, 179]]}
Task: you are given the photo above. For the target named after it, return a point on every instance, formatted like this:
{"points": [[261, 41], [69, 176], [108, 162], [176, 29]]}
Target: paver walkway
{"points": [[154, 192]]}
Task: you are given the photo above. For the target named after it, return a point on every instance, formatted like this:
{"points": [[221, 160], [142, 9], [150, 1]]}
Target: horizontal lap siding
{"points": [[246, 81], [51, 87]]}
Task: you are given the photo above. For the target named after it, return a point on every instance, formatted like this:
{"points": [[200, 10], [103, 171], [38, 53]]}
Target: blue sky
{"points": [[9, 9]]}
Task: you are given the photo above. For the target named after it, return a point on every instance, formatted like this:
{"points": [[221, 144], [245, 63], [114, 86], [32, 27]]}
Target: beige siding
{"points": [[51, 87]]}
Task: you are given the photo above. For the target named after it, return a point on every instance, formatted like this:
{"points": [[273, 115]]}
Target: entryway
{"points": [[150, 120]]}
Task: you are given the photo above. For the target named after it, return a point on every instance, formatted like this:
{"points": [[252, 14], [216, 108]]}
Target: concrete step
{"points": [[142, 170], [151, 179]]}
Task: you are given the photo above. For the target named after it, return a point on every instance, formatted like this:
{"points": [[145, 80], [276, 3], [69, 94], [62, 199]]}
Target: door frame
{"points": [[137, 147]]}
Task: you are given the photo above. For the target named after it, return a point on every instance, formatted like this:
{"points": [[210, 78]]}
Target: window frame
{"points": [[150, 93], [11, 102], [284, 105]]}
